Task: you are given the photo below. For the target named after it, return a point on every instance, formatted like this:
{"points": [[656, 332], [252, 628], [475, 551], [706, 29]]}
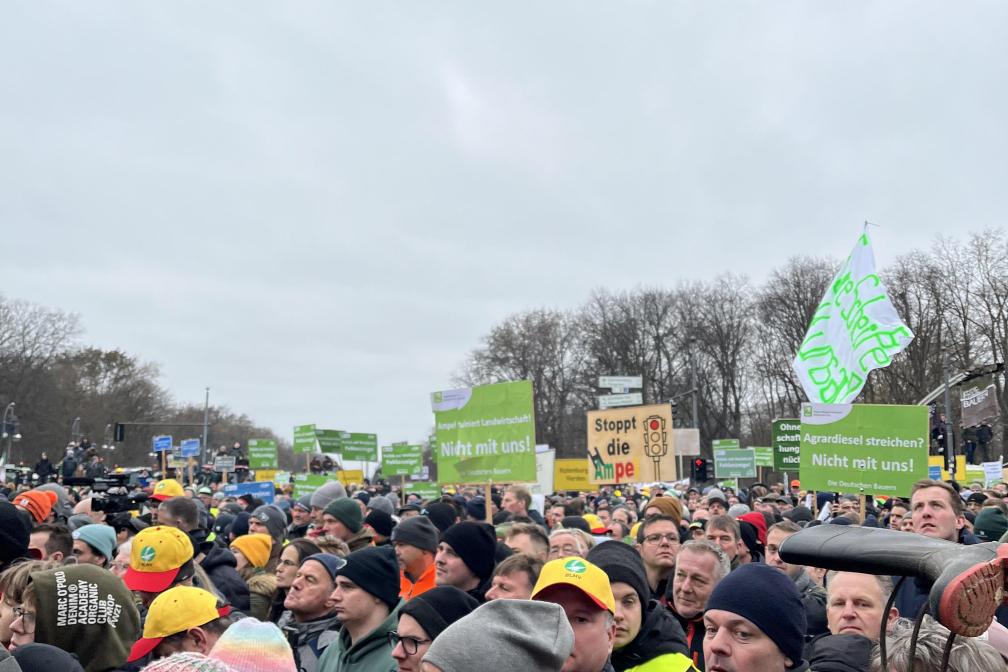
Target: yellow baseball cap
{"points": [[595, 523], [167, 489], [176, 610], [581, 574], [156, 556]]}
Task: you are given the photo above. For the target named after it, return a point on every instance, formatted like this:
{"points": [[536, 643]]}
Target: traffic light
{"points": [[120, 432], [699, 469]]}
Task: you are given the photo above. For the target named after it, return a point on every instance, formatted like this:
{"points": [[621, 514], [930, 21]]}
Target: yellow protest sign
{"points": [[939, 461], [348, 476], [632, 444], [266, 474], [571, 474]]}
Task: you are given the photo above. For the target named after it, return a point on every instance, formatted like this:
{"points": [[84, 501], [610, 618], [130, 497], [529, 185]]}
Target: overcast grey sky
{"points": [[317, 209]]}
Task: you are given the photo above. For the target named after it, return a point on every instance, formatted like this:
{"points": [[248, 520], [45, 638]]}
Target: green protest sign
{"points": [[400, 460], [785, 435], [306, 484], [880, 449], [485, 433], [363, 447], [734, 462], [764, 456], [304, 439], [329, 440], [262, 454], [426, 491], [726, 444], [730, 483]]}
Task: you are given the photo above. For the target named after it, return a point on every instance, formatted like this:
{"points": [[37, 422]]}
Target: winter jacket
{"points": [[424, 582], [695, 632], [310, 639], [660, 645], [363, 538], [261, 586], [68, 467], [219, 564], [371, 653], [44, 469], [813, 598], [839, 653]]}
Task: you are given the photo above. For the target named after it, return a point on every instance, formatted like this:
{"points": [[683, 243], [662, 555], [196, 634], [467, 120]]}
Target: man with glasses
{"points": [[658, 543], [422, 619]]}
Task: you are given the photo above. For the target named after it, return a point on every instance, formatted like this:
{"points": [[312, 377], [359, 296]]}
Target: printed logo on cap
{"points": [[575, 565], [147, 554]]}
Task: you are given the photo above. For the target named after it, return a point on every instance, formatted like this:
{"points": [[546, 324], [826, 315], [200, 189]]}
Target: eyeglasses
{"points": [[288, 563], [409, 644], [27, 619], [671, 537]]}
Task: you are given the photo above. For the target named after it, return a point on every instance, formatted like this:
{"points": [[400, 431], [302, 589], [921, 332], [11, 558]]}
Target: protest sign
{"points": [[224, 463], [764, 455], [189, 448], [330, 441], [730, 461], [979, 401], [426, 491], [266, 475], [362, 447], [785, 437], [306, 484], [729, 483], [263, 490], [992, 473], [350, 476], [961, 468], [631, 445], [686, 442], [874, 448], [485, 433], [262, 454], [304, 439], [571, 474], [545, 459], [401, 460]]}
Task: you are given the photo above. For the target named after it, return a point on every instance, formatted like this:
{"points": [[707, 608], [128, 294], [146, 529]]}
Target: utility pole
{"points": [[693, 382], [950, 461], [206, 420]]}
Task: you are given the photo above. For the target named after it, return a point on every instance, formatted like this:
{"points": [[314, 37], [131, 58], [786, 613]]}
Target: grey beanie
{"points": [[327, 493], [62, 507], [79, 520], [736, 510], [381, 504], [303, 502], [273, 518], [506, 635], [417, 531]]}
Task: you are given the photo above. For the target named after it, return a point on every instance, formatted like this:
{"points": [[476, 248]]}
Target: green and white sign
{"points": [[363, 447], [306, 484], [785, 434], [764, 456], [401, 460], [426, 491], [878, 449], [304, 439], [485, 433], [330, 440], [734, 462], [729, 483], [262, 454], [726, 444]]}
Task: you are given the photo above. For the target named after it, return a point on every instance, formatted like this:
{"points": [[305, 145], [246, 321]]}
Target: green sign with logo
{"points": [[304, 439], [424, 490], [485, 433], [330, 440], [262, 454], [785, 435], [401, 460], [306, 484], [872, 448], [363, 447], [764, 456], [734, 462], [575, 566]]}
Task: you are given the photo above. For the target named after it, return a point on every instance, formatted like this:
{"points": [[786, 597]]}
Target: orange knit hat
{"points": [[39, 503]]}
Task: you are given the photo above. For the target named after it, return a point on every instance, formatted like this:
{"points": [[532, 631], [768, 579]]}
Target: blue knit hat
{"points": [[767, 597], [102, 538]]}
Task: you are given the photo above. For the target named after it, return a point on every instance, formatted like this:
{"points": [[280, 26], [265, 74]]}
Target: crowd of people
{"points": [[633, 579]]}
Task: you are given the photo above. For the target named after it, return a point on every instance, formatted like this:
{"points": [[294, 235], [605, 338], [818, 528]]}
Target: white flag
{"points": [[855, 329]]}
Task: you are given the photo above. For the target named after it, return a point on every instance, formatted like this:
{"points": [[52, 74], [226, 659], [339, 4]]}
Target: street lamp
{"points": [[9, 431]]}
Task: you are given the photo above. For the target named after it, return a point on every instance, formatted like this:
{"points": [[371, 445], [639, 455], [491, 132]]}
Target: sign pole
{"points": [[488, 501], [861, 505], [164, 465], [307, 463], [191, 481]]}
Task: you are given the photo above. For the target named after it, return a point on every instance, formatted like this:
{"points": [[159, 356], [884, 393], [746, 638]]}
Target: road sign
{"points": [[624, 382], [618, 400], [162, 443], [190, 448]]}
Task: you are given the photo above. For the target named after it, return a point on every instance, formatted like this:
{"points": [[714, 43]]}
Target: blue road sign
{"points": [[190, 448], [263, 490], [162, 443]]}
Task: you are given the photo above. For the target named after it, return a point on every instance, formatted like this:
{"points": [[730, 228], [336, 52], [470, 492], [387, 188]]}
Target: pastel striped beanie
{"points": [[187, 662], [253, 646]]}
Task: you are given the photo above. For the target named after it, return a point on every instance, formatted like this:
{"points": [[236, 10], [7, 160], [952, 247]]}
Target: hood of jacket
{"points": [[839, 653], [375, 643], [309, 630], [660, 633]]}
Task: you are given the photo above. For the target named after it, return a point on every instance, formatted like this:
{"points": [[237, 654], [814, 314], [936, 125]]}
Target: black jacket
{"points": [[839, 653], [219, 564], [660, 633], [695, 632]]}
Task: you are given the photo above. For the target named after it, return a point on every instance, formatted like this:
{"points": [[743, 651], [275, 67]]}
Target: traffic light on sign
{"points": [[699, 469]]}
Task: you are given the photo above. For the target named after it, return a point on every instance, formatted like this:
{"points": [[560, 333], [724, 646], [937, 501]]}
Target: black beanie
{"points": [[623, 564], [575, 523], [240, 525], [374, 569], [14, 535], [475, 543], [767, 597], [45, 657], [439, 607], [380, 522], [417, 531], [750, 537], [442, 515]]}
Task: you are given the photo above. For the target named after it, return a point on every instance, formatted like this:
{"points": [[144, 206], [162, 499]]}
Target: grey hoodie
{"points": [[309, 639]]}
